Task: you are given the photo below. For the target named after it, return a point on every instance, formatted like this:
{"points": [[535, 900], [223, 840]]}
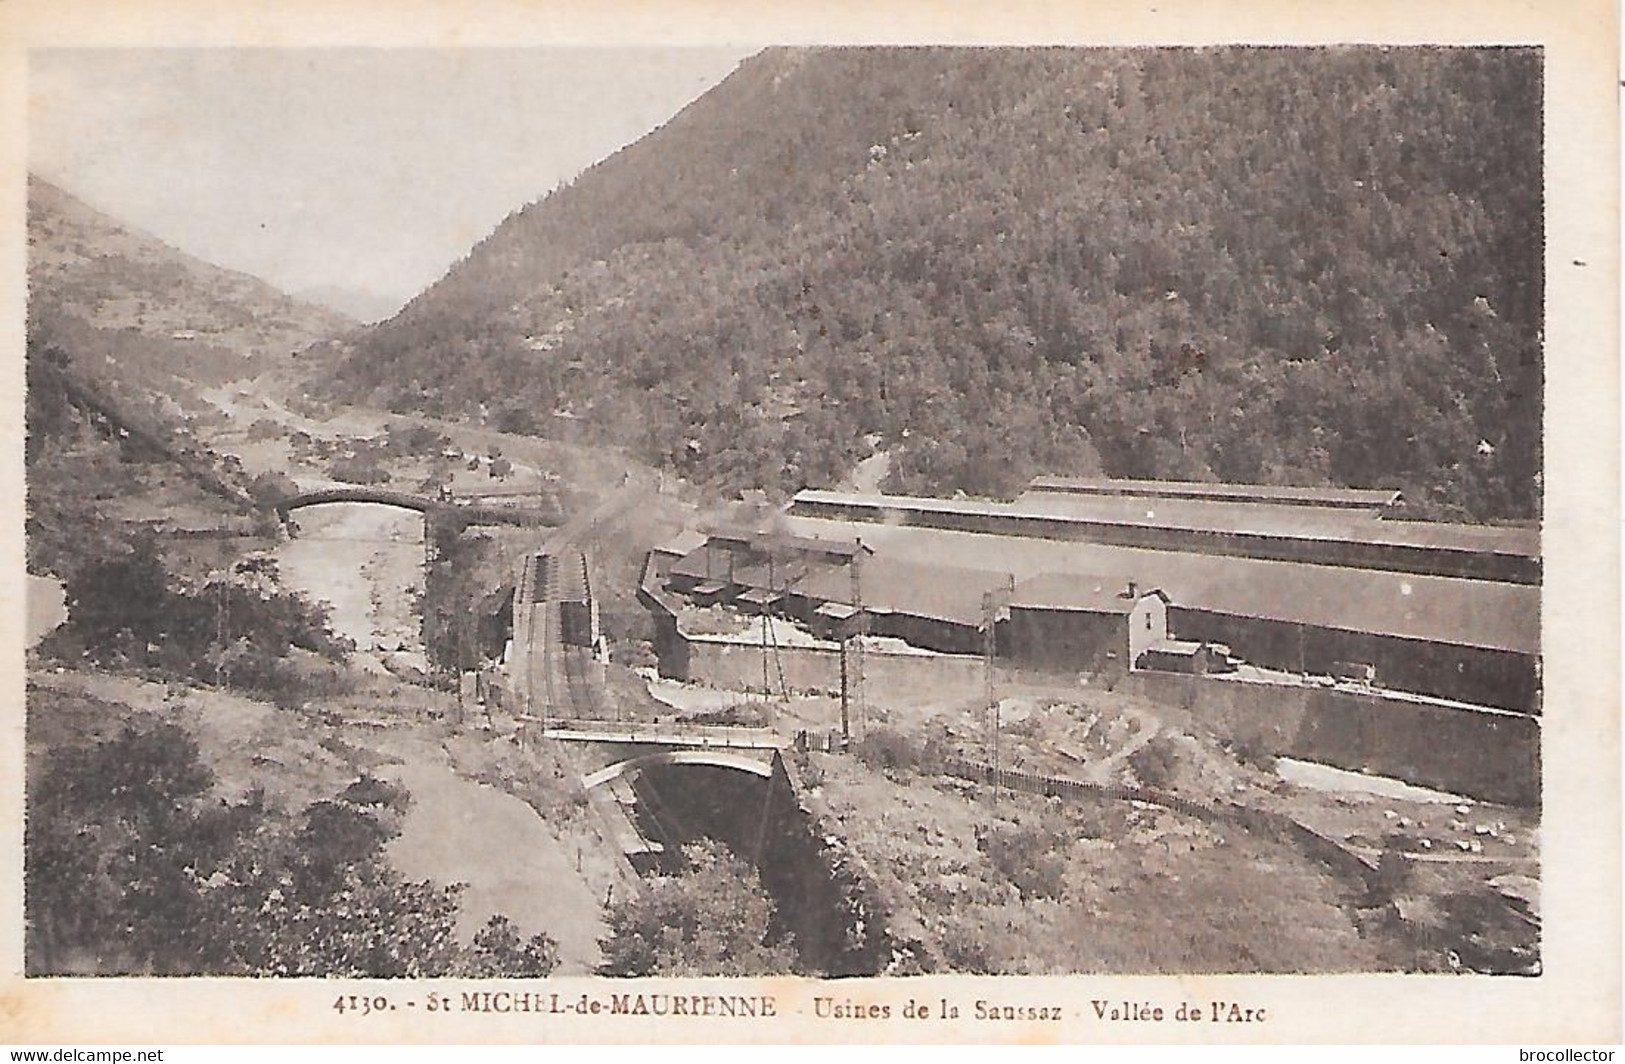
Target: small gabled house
{"points": [[1075, 622]]}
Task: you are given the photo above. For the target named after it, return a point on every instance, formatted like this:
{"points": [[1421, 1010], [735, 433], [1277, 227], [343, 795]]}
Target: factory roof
{"points": [[1079, 592], [893, 584], [1181, 647], [784, 543], [749, 569], [1477, 613], [681, 543], [1364, 498], [699, 563], [1038, 515], [1200, 513]]}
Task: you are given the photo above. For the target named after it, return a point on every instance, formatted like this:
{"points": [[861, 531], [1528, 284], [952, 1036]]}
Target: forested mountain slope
{"points": [[1282, 265], [125, 333], [151, 322]]}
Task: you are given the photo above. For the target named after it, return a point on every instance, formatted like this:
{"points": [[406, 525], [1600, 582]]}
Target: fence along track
{"points": [[1277, 826]]}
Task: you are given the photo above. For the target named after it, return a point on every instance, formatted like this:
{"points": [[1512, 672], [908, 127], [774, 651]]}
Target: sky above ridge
{"points": [[355, 176]]}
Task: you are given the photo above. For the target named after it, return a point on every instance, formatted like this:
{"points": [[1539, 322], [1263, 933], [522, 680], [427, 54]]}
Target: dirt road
{"points": [[45, 608], [461, 831]]}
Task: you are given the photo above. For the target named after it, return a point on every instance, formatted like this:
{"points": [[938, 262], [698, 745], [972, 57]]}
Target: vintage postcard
{"points": [[537, 522]]}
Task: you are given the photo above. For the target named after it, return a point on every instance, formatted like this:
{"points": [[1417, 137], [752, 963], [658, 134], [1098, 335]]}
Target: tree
{"points": [[49, 407], [272, 487], [362, 468], [498, 951], [131, 867], [121, 600], [412, 440], [713, 918]]}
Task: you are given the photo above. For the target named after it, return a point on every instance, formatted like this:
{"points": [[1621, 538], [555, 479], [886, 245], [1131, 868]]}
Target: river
{"points": [[365, 562]]}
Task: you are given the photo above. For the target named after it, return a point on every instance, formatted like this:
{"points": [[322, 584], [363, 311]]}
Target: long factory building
{"points": [[923, 570], [1351, 529]]}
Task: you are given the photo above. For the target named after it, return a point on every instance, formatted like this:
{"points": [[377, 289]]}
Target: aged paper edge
{"points": [[1578, 996]]}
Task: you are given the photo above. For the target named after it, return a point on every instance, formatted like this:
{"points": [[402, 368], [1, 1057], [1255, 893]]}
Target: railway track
{"points": [[559, 680]]}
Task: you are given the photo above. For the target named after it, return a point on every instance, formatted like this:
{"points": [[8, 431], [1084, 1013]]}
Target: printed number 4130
{"points": [[362, 1004]]}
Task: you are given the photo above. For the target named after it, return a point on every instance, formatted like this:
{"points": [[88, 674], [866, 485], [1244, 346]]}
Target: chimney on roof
{"points": [[1133, 591]]}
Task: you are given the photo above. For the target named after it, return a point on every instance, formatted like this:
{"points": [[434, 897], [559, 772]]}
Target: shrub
{"points": [[1252, 750], [270, 488], [1102, 819], [636, 654], [361, 469], [1029, 857], [498, 952], [369, 790], [408, 440], [888, 750], [516, 418], [1156, 764], [713, 918], [265, 429], [740, 714], [964, 954]]}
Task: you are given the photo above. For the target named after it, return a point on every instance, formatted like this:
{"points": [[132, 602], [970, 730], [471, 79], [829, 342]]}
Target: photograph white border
{"points": [[1577, 996]]}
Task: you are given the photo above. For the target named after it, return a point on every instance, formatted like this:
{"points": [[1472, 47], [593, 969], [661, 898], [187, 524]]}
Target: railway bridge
{"points": [[659, 784], [656, 785], [639, 770], [654, 782]]}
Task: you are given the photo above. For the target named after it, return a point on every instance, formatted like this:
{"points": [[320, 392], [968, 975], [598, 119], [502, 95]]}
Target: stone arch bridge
{"points": [[434, 510]]}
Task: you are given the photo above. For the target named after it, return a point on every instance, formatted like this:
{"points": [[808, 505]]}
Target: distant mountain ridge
{"points": [[1311, 266], [361, 304], [125, 335], [128, 306]]}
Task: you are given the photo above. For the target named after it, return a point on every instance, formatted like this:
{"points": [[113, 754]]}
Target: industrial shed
{"points": [[1498, 677], [727, 564], [934, 607], [1375, 499], [1184, 655], [1081, 623]]}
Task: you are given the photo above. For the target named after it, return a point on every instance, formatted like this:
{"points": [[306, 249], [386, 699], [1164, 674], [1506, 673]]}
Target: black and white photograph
{"points": [[844, 512]]}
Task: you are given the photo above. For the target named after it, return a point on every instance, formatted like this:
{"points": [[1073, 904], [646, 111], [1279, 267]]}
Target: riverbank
{"points": [[365, 564]]}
